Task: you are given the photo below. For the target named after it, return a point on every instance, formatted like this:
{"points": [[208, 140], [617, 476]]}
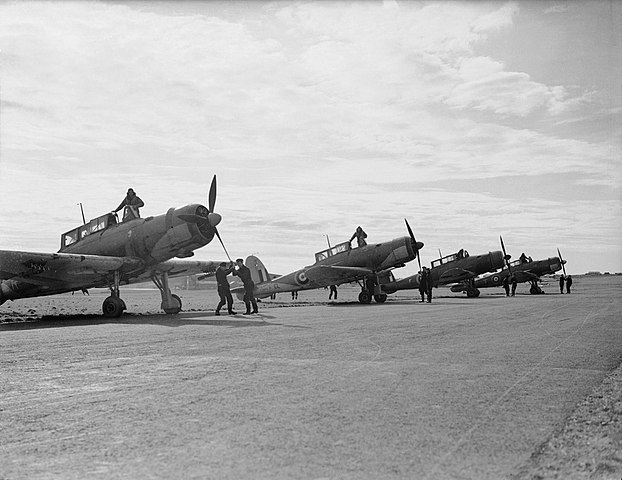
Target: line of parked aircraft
{"points": [[107, 253]]}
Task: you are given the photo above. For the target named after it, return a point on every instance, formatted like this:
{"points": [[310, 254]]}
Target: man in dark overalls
{"points": [[244, 273], [224, 291]]}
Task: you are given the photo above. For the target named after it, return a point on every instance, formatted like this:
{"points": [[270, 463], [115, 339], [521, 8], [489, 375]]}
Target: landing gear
{"points": [[365, 297], [171, 304], [471, 290], [370, 288], [380, 298], [535, 288], [113, 306]]}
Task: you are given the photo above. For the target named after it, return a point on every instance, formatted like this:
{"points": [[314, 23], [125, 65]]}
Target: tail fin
{"points": [[259, 272]]}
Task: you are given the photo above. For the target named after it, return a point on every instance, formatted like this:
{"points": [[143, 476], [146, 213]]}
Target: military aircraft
{"points": [[524, 270], [340, 264], [106, 253], [459, 267]]}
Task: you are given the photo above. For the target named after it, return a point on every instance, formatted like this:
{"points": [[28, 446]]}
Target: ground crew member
{"points": [[506, 285], [333, 291], [132, 203], [514, 284], [568, 283], [224, 291], [561, 284], [360, 236], [425, 285], [244, 273]]}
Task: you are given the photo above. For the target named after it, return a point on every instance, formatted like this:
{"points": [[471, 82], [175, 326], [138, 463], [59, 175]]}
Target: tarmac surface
{"points": [[527, 387]]}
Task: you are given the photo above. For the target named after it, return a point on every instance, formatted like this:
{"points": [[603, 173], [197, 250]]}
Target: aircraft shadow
{"points": [[179, 320]]}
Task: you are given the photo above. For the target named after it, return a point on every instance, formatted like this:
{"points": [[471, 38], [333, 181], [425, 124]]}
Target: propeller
{"points": [[563, 262], [506, 257], [213, 218], [416, 245]]}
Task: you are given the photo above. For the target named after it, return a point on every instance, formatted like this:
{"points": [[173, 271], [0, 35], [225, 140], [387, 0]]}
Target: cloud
{"points": [[316, 116]]}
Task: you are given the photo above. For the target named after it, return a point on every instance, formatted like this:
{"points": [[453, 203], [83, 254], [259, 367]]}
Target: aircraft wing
{"points": [[176, 268], [455, 275], [62, 271], [336, 274]]}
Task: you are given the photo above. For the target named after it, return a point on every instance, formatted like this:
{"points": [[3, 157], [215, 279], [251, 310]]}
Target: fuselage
{"points": [[451, 269], [344, 266], [524, 272], [152, 239]]}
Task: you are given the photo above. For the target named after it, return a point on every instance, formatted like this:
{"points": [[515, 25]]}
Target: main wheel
{"points": [[175, 306], [472, 293], [365, 297], [380, 298], [113, 307]]}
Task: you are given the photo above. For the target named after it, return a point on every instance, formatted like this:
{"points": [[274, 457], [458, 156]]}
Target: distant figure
{"points": [[244, 273], [514, 284], [425, 285], [333, 290], [294, 294], [561, 284], [568, 283], [224, 291], [132, 203], [360, 236], [506, 285]]}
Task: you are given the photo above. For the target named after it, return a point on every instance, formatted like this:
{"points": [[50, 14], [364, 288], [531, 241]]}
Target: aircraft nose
{"points": [[214, 219], [497, 259]]}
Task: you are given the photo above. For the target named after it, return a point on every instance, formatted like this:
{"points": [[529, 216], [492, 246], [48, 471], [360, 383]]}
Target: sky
{"points": [[471, 120]]}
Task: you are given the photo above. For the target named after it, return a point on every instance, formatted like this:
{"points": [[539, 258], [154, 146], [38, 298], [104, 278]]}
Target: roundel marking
{"points": [[496, 279], [301, 278]]}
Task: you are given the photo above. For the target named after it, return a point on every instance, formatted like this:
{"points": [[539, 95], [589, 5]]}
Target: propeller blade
{"points": [[563, 262], [212, 195], [414, 243], [506, 257], [223, 244]]}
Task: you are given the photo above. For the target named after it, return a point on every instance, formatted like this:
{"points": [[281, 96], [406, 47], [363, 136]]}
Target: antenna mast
{"points": [[82, 210]]}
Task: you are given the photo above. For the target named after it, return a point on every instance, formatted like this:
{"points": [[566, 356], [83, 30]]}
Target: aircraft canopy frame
{"points": [[460, 254], [93, 226], [329, 252]]}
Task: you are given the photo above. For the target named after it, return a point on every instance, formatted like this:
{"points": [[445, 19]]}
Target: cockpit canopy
{"points": [[96, 225], [450, 258], [339, 248]]}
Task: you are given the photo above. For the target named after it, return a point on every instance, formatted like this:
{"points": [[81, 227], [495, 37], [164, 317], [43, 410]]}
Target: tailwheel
{"points": [[365, 297], [173, 307], [113, 307], [380, 297]]}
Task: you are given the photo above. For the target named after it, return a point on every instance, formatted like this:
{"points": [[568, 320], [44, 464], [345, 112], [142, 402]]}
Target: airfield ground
{"points": [[518, 388]]}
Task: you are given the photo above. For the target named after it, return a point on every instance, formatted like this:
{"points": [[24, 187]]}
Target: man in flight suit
{"points": [[132, 203], [360, 236], [244, 273]]}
